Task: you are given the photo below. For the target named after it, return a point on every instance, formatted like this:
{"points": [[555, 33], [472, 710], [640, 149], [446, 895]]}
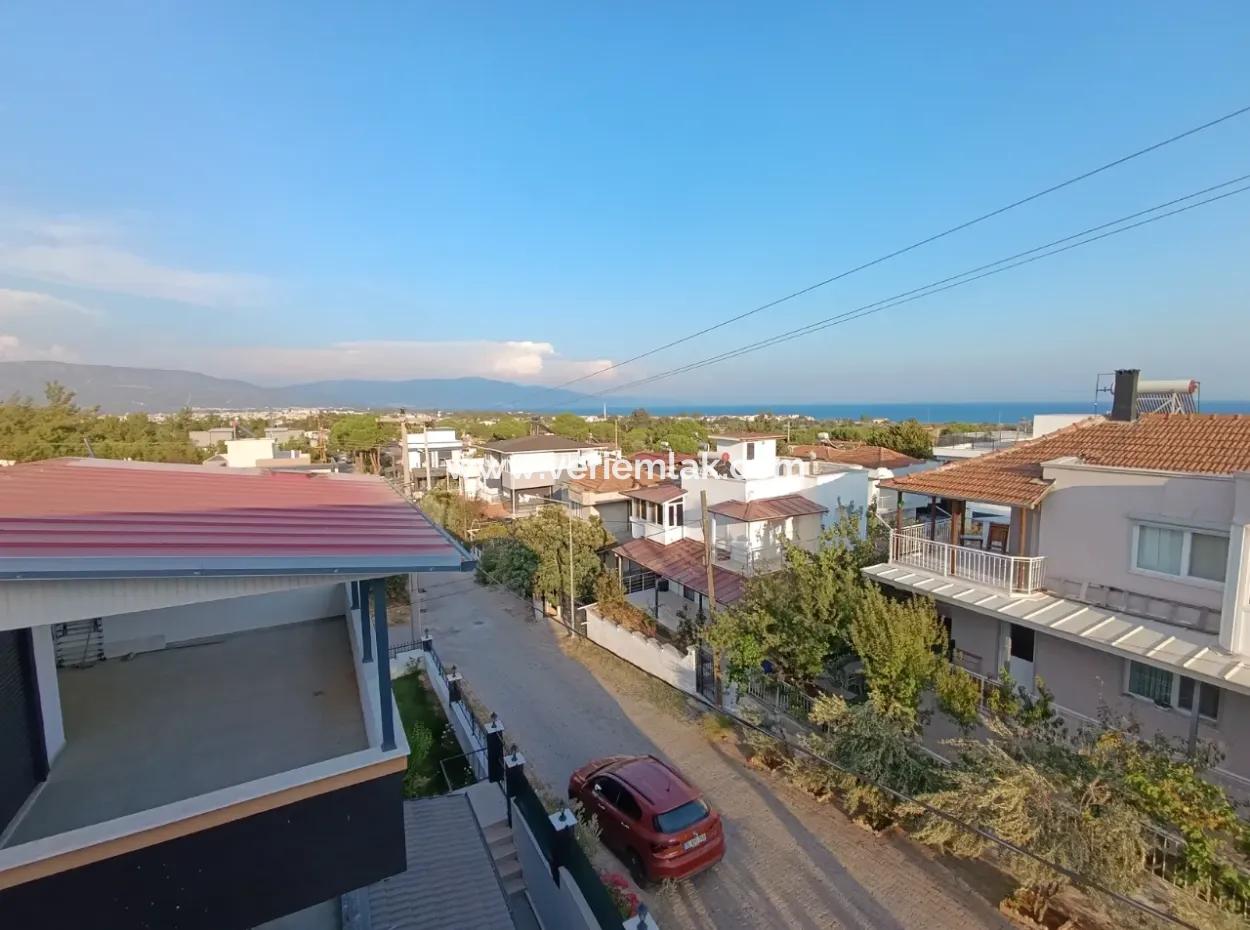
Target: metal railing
{"points": [[638, 581], [782, 697], [939, 530], [1010, 574]]}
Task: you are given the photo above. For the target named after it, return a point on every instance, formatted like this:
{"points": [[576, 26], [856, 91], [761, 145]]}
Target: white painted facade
{"points": [[443, 446]]}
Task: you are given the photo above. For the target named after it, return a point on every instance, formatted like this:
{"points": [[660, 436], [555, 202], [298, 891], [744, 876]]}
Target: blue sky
{"points": [[287, 192]]}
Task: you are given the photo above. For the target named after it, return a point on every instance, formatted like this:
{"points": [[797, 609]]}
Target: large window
{"points": [[1184, 553], [1171, 690]]}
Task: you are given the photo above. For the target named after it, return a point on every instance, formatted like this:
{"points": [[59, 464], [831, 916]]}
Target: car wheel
{"points": [[637, 871]]}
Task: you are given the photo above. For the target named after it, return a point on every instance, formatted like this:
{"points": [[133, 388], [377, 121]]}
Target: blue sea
{"points": [[936, 412]]}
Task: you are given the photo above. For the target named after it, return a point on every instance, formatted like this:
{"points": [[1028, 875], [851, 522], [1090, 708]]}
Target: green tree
{"points": [[570, 426], [909, 437], [508, 562], [546, 534], [901, 645], [797, 617], [361, 436], [1076, 823]]}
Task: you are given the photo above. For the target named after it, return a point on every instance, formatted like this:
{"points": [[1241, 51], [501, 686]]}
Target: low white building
{"points": [[438, 447]]}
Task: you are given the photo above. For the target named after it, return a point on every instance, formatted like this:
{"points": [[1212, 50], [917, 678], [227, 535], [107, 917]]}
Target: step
{"points": [[497, 831], [509, 868], [502, 849], [514, 886]]}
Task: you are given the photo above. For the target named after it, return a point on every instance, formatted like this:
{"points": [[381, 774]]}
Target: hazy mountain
{"points": [[118, 390]]}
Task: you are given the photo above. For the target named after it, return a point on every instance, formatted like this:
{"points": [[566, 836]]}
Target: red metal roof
{"points": [[682, 562], [102, 518], [770, 508]]}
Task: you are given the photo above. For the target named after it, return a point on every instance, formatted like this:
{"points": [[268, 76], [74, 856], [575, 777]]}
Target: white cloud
{"points": [[12, 349], [401, 359], [86, 254], [15, 303]]}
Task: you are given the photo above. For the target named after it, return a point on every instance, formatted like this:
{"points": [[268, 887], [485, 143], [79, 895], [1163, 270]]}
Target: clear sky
{"points": [[287, 192]]}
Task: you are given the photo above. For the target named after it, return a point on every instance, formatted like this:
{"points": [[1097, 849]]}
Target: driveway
{"points": [[790, 862]]}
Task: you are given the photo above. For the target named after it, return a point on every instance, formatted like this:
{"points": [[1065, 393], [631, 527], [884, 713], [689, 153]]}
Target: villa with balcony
{"points": [[1121, 577], [199, 728]]}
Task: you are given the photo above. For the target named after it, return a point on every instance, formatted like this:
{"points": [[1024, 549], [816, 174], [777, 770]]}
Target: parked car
{"points": [[654, 819]]}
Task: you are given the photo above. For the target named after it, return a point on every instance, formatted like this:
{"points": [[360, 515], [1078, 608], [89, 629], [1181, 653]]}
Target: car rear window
{"points": [[679, 818]]}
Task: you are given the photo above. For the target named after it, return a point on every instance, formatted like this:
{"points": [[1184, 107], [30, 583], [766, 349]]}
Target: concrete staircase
{"points": [[503, 852]]}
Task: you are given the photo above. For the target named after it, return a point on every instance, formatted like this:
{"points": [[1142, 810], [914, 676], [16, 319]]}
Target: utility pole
{"points": [[403, 441], [711, 593], [572, 591], [425, 438]]}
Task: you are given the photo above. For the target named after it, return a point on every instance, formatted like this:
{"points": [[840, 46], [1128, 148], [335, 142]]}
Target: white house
{"points": [[519, 472]]}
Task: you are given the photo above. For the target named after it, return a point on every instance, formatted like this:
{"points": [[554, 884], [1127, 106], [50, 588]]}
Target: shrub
{"points": [[622, 895]]}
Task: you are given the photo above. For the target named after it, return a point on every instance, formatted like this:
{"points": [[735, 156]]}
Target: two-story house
{"points": [[1121, 578], [430, 453], [196, 724], [520, 472], [757, 503]]}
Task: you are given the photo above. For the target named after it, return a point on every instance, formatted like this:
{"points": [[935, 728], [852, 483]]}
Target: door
{"points": [[605, 794], [22, 761], [1020, 663]]}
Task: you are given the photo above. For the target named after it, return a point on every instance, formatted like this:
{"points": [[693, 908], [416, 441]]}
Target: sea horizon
{"points": [[1007, 413]]}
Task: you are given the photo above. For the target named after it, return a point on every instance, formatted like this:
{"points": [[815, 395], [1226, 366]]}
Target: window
{"points": [[1170, 690], [1184, 553], [627, 805], [607, 789], [681, 818], [681, 514], [750, 451]]}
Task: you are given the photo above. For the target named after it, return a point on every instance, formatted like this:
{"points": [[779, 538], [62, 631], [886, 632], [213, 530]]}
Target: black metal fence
{"points": [[593, 890]]}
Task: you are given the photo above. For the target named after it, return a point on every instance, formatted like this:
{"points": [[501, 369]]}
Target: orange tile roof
{"points": [[1195, 443], [856, 453], [682, 561], [600, 479]]}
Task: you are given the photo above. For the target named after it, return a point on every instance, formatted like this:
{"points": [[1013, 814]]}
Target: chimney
{"points": [[1124, 394]]}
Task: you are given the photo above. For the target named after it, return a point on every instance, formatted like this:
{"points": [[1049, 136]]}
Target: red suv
{"points": [[652, 817]]}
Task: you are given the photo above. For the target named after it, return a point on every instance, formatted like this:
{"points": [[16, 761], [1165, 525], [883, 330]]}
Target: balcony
{"points": [[1007, 574]]}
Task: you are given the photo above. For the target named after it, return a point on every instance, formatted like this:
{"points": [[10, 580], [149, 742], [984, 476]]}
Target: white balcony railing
{"points": [[1007, 573]]}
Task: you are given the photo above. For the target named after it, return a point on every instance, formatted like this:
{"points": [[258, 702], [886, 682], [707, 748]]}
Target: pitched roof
{"points": [[660, 493], [769, 508], [649, 456], [1192, 443], [602, 479], [855, 453], [682, 562], [76, 518], [540, 444]]}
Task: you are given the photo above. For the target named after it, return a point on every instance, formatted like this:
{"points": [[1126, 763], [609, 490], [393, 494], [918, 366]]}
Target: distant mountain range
{"points": [[121, 390]]}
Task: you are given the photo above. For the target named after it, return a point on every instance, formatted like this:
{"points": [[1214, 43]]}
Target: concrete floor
{"points": [[168, 725]]}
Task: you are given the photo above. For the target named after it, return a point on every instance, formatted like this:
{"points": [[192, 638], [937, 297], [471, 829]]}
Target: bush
{"points": [[508, 562], [959, 696], [621, 894]]}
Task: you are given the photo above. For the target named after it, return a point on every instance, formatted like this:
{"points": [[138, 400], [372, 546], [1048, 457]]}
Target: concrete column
{"points": [[453, 685], [514, 771], [642, 921], [494, 749], [565, 823], [354, 588], [427, 644], [1235, 611], [366, 635], [383, 663]]}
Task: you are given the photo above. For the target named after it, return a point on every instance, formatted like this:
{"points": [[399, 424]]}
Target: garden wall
{"points": [[652, 656]]}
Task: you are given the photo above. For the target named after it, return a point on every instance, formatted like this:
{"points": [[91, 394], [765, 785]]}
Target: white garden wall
{"points": [[656, 658]]}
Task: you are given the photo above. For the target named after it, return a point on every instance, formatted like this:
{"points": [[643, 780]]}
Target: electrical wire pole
{"points": [[711, 593], [403, 456], [425, 438], [572, 591]]}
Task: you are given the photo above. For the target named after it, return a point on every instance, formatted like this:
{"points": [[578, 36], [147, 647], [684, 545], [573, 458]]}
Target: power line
{"points": [[908, 248], [944, 284]]}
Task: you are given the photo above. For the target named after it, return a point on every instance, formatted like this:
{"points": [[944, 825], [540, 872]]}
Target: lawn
{"points": [[430, 739]]}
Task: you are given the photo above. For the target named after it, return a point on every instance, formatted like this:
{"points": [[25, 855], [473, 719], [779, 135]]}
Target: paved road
{"points": [[790, 862]]}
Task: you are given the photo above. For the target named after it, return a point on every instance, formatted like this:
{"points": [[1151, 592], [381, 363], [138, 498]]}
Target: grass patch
{"points": [[430, 739], [627, 679]]}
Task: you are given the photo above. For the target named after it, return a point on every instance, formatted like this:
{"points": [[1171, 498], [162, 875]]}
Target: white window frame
{"points": [[1173, 697], [1186, 543]]}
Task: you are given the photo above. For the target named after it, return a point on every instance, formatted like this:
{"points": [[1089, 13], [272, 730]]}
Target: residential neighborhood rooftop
{"points": [[746, 436], [599, 479], [657, 494], [853, 453], [769, 508], [1211, 444], [67, 518], [682, 561], [541, 444]]}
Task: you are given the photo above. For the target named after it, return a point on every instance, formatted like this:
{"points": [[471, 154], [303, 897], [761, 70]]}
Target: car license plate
{"points": [[697, 840]]}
